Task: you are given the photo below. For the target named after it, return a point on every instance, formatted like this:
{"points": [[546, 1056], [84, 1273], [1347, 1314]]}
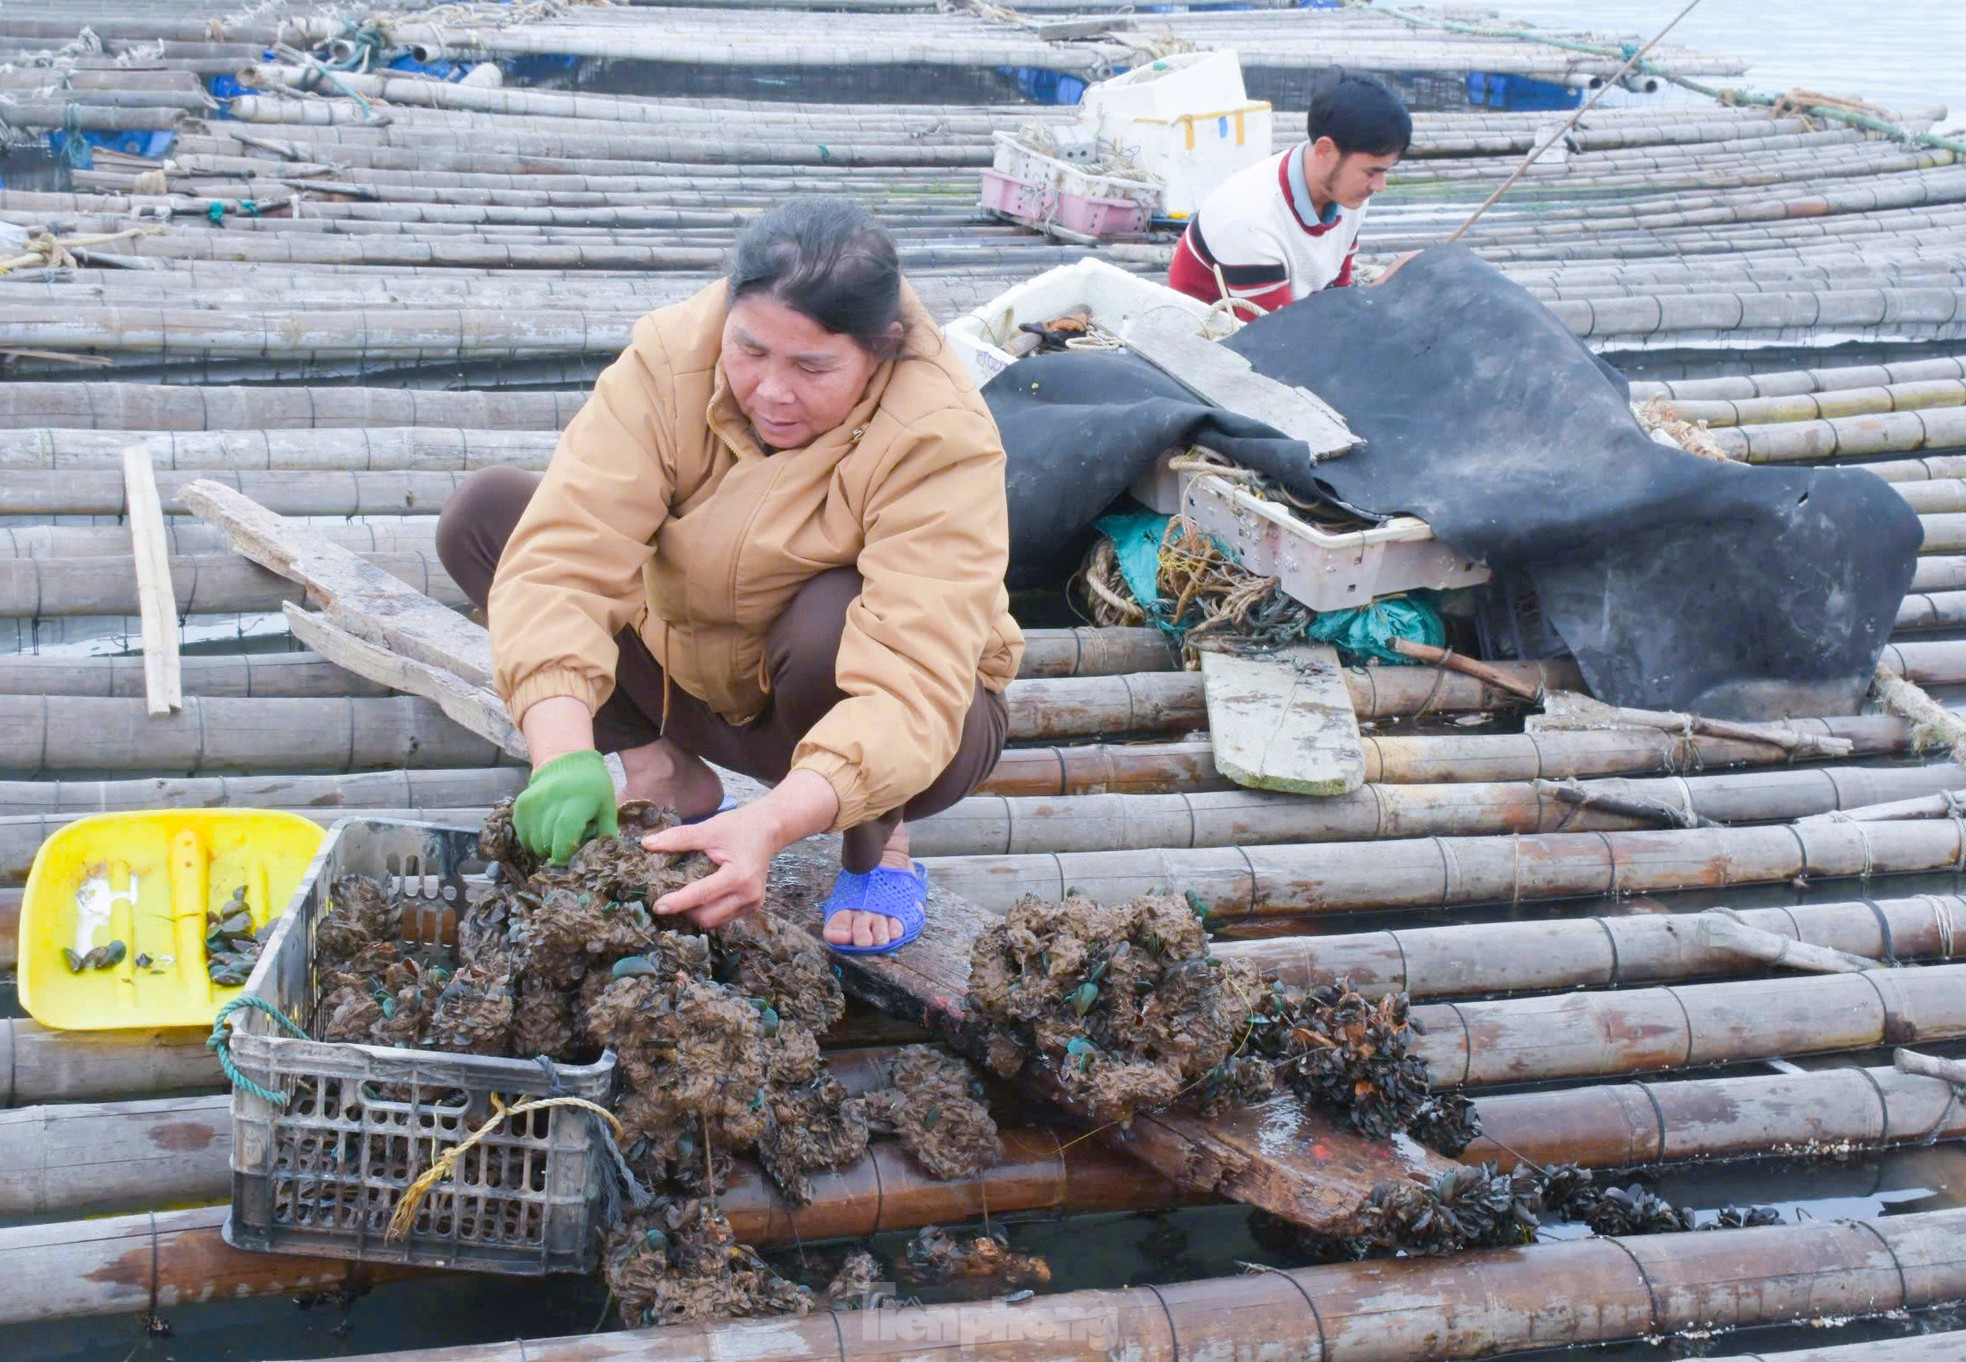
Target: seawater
{"points": [[1895, 53]]}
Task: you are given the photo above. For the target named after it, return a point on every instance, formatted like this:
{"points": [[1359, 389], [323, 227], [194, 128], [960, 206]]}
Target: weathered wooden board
{"points": [[1282, 1156], [163, 683], [354, 594], [473, 707], [1284, 721], [1168, 340]]}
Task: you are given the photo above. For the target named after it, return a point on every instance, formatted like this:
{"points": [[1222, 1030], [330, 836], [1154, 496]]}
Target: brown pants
{"points": [[801, 650]]}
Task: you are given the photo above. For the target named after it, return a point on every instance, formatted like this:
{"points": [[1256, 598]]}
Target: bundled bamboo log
{"points": [[1165, 768], [154, 407], [1640, 1030], [996, 825], [40, 1065], [1049, 653], [1335, 877], [209, 735], [215, 675], [1938, 572], [323, 493], [1821, 1111], [322, 796], [1807, 441], [1790, 382], [1405, 1310], [385, 535], [1595, 952], [1930, 610], [385, 449], [1838, 403], [1148, 702], [202, 584]]}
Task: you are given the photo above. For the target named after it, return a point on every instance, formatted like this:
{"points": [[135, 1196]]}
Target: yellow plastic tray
{"points": [[146, 879]]}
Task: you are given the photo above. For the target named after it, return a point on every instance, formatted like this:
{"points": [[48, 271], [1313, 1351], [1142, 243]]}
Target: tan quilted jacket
{"points": [[661, 511]]}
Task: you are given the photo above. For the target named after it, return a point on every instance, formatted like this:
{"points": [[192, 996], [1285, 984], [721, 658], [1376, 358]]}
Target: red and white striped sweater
{"points": [[1259, 229]]}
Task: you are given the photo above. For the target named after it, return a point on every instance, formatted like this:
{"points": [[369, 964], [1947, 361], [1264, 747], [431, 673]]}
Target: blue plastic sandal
{"points": [[892, 893]]}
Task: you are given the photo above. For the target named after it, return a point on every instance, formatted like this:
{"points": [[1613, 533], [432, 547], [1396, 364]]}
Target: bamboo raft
{"points": [[346, 293]]}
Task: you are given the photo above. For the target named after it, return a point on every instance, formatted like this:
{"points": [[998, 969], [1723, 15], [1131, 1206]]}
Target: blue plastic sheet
{"points": [[1366, 632], [79, 148]]}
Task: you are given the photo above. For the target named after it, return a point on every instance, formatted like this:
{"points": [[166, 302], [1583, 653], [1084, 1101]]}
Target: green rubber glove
{"points": [[567, 801]]}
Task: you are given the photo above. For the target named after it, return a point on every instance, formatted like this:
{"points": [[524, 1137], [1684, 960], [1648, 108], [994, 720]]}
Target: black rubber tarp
{"points": [[1678, 582]]}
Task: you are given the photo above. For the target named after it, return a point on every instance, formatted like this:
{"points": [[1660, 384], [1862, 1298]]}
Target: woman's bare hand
{"points": [[742, 843]]}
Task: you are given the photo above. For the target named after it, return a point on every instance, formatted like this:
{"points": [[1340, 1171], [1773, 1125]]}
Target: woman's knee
{"points": [[802, 647], [476, 522]]}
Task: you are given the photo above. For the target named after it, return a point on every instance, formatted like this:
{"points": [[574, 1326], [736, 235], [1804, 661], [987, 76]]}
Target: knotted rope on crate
{"points": [[446, 1163], [220, 1044]]}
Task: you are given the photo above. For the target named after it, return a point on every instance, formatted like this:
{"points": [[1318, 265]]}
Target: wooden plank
{"points": [[356, 595], [1220, 376], [473, 707], [1282, 1155], [163, 685], [1284, 721]]}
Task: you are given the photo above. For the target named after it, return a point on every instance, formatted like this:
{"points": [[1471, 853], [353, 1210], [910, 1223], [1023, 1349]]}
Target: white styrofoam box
{"points": [[1193, 153], [1325, 570], [1114, 297], [1186, 120], [1187, 82]]}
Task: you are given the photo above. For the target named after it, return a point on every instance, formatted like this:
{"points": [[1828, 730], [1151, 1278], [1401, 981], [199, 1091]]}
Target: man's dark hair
{"points": [[1360, 113], [826, 258]]}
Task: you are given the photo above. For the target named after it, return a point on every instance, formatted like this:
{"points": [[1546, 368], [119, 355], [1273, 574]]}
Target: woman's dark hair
{"points": [[1358, 112], [827, 259]]}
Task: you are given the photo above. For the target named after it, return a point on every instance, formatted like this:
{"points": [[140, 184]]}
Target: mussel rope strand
{"points": [[220, 1044], [399, 1223], [639, 1197]]}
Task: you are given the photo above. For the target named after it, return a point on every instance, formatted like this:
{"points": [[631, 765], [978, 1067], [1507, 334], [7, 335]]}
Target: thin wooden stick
{"points": [[1557, 136], [162, 679], [1725, 930], [1467, 666], [1930, 1066]]}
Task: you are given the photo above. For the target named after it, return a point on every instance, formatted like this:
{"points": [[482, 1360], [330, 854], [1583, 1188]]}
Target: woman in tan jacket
{"points": [[774, 539]]}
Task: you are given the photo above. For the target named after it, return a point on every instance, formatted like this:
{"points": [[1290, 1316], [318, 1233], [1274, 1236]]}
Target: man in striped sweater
{"points": [[1284, 228]]}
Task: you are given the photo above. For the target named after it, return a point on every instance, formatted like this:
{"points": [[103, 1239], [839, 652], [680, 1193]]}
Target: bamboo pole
{"points": [[384, 449], [1811, 1112], [1595, 952], [1336, 877], [1836, 404], [1404, 1310], [154, 407], [1793, 381], [1641, 1030], [76, 733], [1840, 437], [322, 797], [1050, 654], [1161, 768], [202, 584], [991, 825], [77, 1066]]}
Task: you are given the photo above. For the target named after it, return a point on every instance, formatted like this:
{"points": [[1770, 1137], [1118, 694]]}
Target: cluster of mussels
{"points": [[715, 1037], [1123, 1009], [1477, 1207]]}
